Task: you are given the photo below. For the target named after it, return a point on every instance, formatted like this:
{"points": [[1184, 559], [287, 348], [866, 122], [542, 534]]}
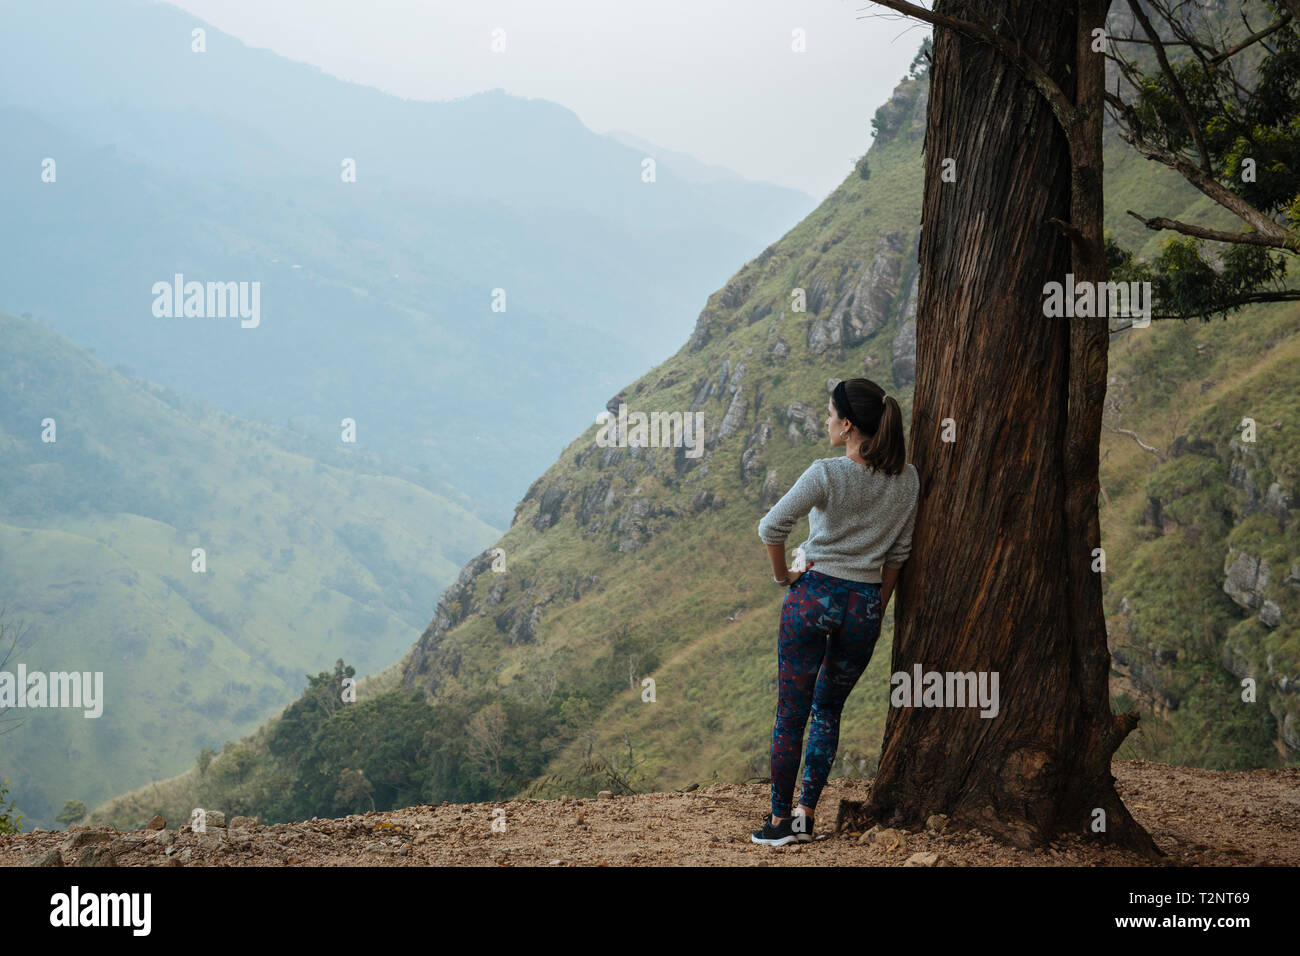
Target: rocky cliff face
{"points": [[1212, 583], [1261, 574]]}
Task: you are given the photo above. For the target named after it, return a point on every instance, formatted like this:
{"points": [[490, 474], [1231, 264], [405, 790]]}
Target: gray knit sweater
{"points": [[858, 519]]}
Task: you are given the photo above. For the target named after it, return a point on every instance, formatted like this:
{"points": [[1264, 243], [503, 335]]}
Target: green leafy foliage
{"points": [[1187, 283], [74, 811], [10, 820], [1234, 118]]}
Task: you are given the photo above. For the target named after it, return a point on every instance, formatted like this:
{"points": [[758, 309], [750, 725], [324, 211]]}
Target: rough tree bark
{"points": [[1001, 577], [1094, 733]]}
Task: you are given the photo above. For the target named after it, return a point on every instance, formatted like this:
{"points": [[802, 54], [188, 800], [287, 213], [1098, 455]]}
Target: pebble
{"points": [[48, 858], [80, 838], [97, 855]]}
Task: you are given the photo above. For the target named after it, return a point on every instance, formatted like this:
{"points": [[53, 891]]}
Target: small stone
{"points": [[80, 838], [243, 822], [213, 836], [157, 823], [870, 835], [890, 839], [48, 858], [922, 859], [216, 818], [97, 855], [163, 838], [123, 844]]}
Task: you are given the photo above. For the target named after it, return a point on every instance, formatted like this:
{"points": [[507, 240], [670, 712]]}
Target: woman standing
{"points": [[861, 508]]}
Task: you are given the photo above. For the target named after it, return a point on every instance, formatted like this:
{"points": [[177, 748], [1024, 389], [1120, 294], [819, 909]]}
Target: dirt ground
{"points": [[1198, 817]]}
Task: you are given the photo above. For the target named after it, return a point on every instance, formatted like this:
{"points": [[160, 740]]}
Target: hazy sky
{"points": [[714, 78]]}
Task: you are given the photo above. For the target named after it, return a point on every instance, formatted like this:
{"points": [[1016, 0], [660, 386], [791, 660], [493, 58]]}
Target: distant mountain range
{"points": [[378, 295]]}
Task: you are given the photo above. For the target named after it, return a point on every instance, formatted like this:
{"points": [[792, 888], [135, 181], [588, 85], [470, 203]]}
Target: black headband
{"points": [[840, 396]]}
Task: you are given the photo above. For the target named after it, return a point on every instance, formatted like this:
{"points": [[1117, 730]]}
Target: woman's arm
{"points": [[888, 578], [774, 527], [776, 552], [807, 493]]}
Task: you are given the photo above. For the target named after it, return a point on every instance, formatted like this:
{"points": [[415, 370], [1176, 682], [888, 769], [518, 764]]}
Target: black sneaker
{"points": [[802, 827], [778, 835]]}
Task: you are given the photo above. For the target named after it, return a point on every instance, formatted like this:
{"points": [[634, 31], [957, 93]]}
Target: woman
{"points": [[861, 508]]}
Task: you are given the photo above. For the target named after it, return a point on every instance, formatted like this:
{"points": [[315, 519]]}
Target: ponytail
{"points": [[883, 448]]}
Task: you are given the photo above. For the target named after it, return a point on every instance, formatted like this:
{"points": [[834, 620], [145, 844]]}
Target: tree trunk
{"points": [[1000, 578], [1092, 732]]}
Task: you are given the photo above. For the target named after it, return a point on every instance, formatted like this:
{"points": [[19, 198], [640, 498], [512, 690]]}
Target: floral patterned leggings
{"points": [[829, 627]]}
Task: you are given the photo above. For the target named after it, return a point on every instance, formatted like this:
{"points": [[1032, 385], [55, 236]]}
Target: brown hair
{"points": [[877, 415]]}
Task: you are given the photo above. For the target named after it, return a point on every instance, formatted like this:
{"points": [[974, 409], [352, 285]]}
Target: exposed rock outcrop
{"points": [[750, 464], [863, 310], [1245, 578], [904, 350], [804, 423], [432, 658]]}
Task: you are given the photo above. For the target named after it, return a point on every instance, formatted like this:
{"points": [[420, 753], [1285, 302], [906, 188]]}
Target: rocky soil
{"points": [[1199, 817]]}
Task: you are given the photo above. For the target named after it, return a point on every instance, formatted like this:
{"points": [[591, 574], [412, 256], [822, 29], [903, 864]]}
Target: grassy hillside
{"points": [[304, 563], [1176, 520], [624, 563]]}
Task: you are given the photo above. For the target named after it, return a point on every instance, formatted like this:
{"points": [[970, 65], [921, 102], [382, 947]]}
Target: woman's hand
{"points": [[791, 575], [776, 553]]}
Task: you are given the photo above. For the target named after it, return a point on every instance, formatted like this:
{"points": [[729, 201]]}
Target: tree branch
{"points": [[1062, 108], [1141, 444], [1253, 38], [1180, 94], [1148, 42], [1237, 303], [1158, 223], [1207, 184]]}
